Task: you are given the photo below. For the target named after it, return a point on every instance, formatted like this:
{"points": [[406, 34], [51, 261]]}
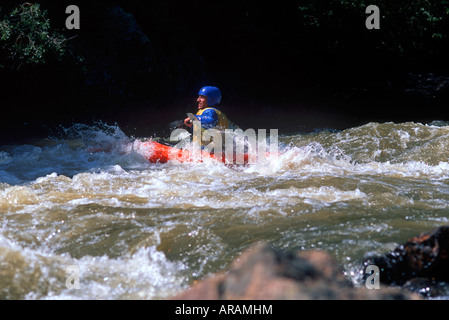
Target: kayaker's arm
{"points": [[188, 122]]}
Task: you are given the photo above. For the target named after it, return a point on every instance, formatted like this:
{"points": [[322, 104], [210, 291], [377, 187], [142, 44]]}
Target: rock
{"points": [[419, 265], [425, 256], [263, 273], [427, 288]]}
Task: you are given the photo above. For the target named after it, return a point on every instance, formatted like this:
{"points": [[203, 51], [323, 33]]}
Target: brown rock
{"points": [[208, 289], [427, 288], [425, 256], [264, 273]]}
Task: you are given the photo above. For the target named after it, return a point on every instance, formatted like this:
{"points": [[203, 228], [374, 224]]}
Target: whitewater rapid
{"points": [[136, 230]]}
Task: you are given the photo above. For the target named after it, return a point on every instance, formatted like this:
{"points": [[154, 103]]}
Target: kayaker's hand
{"points": [[188, 122]]}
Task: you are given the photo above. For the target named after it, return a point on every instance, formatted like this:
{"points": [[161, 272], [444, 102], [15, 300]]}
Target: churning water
{"points": [[136, 230]]}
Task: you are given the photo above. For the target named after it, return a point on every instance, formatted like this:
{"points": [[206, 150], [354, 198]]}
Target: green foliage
{"points": [[405, 27], [27, 38]]}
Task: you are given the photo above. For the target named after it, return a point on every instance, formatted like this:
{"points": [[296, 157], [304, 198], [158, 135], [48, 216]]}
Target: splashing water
{"points": [[137, 230]]}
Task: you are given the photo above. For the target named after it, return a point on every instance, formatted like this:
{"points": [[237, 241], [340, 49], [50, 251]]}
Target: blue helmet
{"points": [[213, 95]]}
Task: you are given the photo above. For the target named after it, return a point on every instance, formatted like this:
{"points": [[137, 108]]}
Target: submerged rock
{"points": [[264, 273]]}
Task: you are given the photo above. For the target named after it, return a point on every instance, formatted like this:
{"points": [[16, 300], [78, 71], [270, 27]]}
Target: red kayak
{"points": [[159, 153]]}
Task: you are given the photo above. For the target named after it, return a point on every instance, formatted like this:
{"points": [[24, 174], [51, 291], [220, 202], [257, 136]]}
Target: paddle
{"points": [[175, 124], [192, 117]]}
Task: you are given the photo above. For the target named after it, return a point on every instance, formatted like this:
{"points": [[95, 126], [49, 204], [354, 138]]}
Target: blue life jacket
{"points": [[212, 118]]}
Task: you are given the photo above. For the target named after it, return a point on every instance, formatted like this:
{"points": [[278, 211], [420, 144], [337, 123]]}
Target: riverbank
{"points": [[288, 67]]}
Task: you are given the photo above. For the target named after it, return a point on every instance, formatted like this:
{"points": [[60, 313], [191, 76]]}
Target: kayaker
{"points": [[211, 118]]}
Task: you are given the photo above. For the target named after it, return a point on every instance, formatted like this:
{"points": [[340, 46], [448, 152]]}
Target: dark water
{"points": [[135, 230]]}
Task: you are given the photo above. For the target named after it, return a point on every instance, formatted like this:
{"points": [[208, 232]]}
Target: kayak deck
{"points": [[155, 152]]}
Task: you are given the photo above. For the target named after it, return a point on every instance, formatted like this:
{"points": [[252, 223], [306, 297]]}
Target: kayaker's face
{"points": [[202, 102]]}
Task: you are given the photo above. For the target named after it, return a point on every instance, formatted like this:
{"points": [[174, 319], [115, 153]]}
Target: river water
{"points": [[134, 230]]}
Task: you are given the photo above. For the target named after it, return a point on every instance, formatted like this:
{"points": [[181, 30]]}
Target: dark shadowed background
{"points": [[294, 65]]}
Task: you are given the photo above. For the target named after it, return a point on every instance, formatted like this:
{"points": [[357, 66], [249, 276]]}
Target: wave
{"points": [[30, 273], [404, 148], [140, 230], [394, 142]]}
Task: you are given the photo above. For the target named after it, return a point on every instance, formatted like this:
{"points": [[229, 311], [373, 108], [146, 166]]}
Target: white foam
{"points": [[143, 274]]}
